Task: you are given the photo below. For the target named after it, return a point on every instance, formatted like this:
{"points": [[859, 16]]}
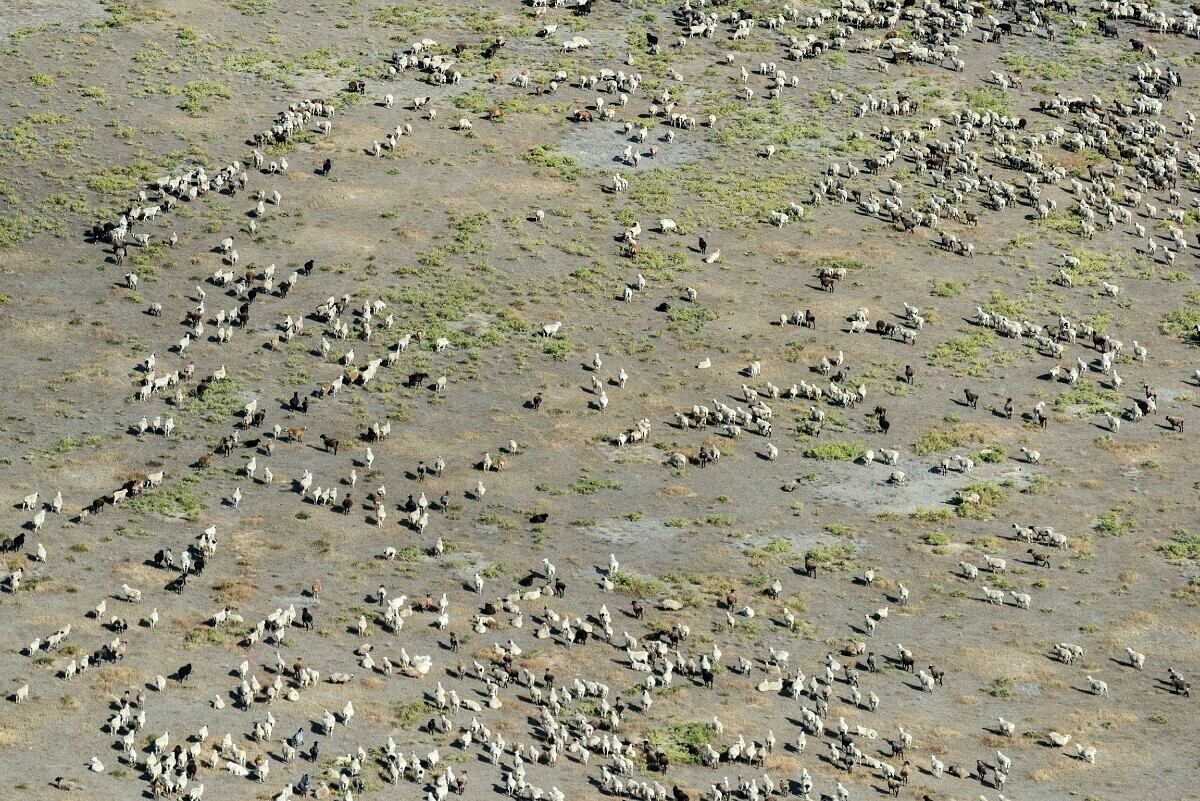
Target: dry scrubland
{"points": [[103, 99]]}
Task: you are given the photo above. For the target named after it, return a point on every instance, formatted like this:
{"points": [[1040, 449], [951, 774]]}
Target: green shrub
{"points": [[683, 742], [936, 538], [992, 454], [1181, 323], [845, 451], [1184, 546], [637, 587], [1094, 398]]}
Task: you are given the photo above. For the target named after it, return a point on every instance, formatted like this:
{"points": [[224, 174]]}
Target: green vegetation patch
{"points": [[845, 451]]}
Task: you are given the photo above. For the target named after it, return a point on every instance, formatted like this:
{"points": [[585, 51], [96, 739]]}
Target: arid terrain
{"points": [[482, 256]]}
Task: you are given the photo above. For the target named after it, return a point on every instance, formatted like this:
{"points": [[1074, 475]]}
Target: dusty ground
{"points": [[103, 101]]}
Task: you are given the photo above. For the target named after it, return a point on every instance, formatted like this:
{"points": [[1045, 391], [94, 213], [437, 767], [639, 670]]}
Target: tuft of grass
{"points": [[1094, 398], [587, 485], [990, 496], [689, 319], [175, 502], [1181, 323], [1184, 546], [967, 355], [946, 289], [637, 587], [936, 538], [993, 454], [1112, 524], [944, 439], [1039, 485], [559, 165], [932, 515], [834, 556], [846, 451], [683, 742], [1001, 687], [408, 715]]}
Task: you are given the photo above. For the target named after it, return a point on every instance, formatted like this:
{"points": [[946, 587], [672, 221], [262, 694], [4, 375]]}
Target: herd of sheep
{"points": [[494, 718]]}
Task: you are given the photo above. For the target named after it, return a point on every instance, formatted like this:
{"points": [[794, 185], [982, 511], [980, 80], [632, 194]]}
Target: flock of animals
{"points": [[491, 721]]}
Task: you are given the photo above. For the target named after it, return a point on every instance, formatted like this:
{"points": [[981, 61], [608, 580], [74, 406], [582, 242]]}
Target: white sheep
{"points": [[993, 596], [667, 225], [1135, 659], [1098, 687]]}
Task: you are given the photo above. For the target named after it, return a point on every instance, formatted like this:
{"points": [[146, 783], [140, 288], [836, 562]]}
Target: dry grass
{"points": [[231, 591], [114, 679]]}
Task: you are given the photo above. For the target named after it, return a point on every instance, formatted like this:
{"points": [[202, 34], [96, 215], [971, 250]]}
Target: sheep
{"points": [[995, 597], [1086, 754], [1097, 686], [552, 329], [1007, 728], [1058, 739], [1023, 600], [1136, 659], [969, 570], [1032, 456], [667, 225], [995, 565], [130, 594]]}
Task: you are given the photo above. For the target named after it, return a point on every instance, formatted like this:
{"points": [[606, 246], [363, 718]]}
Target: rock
{"points": [[672, 604]]}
